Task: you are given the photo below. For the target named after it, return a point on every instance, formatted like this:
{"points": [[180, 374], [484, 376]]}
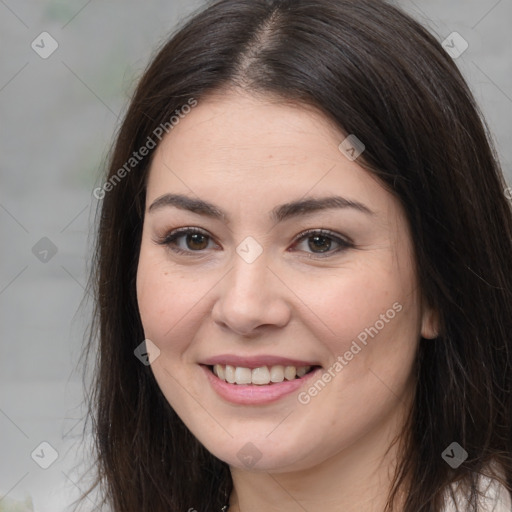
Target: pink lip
{"points": [[250, 394], [256, 361]]}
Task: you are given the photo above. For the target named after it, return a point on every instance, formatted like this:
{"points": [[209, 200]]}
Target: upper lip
{"points": [[256, 361]]}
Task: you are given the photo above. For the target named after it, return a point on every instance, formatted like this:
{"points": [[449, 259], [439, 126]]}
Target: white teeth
{"points": [[290, 372], [230, 374], [243, 375], [260, 376], [218, 370], [277, 373]]}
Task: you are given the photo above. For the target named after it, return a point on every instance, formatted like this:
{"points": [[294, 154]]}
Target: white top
{"points": [[497, 498]]}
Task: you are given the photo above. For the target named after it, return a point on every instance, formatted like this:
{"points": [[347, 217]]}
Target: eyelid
{"points": [[344, 241], [324, 232], [174, 234]]}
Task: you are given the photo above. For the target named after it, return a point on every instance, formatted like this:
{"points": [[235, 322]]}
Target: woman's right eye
{"points": [[193, 238]]}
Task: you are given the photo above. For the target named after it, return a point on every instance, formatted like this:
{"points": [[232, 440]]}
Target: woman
{"points": [[303, 273]]}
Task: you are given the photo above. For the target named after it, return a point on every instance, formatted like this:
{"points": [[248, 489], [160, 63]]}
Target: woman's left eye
{"points": [[195, 240], [323, 240]]}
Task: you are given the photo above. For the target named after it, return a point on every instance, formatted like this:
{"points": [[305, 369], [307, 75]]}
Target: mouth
{"points": [[257, 384], [260, 376]]}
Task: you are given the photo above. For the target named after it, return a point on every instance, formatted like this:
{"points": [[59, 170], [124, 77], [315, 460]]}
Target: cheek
{"points": [[369, 320], [152, 297], [166, 299], [373, 320], [347, 304], [175, 305]]}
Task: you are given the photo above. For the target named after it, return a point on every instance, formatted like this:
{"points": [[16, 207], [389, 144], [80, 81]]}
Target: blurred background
{"points": [[67, 69]]}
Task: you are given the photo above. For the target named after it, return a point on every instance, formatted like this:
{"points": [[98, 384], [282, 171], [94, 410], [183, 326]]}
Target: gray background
{"points": [[57, 120]]}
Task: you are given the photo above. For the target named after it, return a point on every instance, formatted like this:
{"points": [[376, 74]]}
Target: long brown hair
{"points": [[378, 74]]}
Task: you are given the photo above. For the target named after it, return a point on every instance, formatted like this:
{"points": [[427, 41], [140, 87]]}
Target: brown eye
{"points": [[320, 243], [196, 241], [186, 241]]}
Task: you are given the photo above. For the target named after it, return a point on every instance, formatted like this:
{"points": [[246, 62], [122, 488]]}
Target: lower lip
{"points": [[252, 394]]}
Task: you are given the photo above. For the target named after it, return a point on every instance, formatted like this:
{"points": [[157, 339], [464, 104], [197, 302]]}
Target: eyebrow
{"points": [[280, 213]]}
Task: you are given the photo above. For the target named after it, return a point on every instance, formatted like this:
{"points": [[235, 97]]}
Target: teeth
{"points": [[229, 373], [260, 376], [290, 372], [277, 373], [220, 371], [243, 375], [301, 371]]}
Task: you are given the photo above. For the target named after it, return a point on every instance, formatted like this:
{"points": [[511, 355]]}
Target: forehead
{"points": [[238, 145], [255, 126]]}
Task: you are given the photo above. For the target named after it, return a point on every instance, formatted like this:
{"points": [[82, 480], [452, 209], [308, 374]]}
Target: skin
{"points": [[247, 154]]}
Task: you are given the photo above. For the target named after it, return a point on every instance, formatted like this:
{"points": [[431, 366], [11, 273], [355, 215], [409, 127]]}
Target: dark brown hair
{"points": [[377, 74]]}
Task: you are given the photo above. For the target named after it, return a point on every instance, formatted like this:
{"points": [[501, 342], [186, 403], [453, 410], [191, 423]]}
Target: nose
{"points": [[251, 298]]}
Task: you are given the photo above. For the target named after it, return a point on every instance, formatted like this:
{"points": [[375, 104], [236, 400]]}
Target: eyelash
{"points": [[169, 239]]}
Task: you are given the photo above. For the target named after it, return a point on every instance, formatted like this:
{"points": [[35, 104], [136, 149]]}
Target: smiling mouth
{"points": [[261, 376]]}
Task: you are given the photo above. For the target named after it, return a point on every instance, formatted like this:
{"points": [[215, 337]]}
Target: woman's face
{"points": [[254, 293]]}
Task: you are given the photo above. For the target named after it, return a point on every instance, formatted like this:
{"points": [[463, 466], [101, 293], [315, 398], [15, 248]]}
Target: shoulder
{"points": [[495, 497]]}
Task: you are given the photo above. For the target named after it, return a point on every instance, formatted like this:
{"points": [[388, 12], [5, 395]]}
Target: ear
{"points": [[429, 323]]}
